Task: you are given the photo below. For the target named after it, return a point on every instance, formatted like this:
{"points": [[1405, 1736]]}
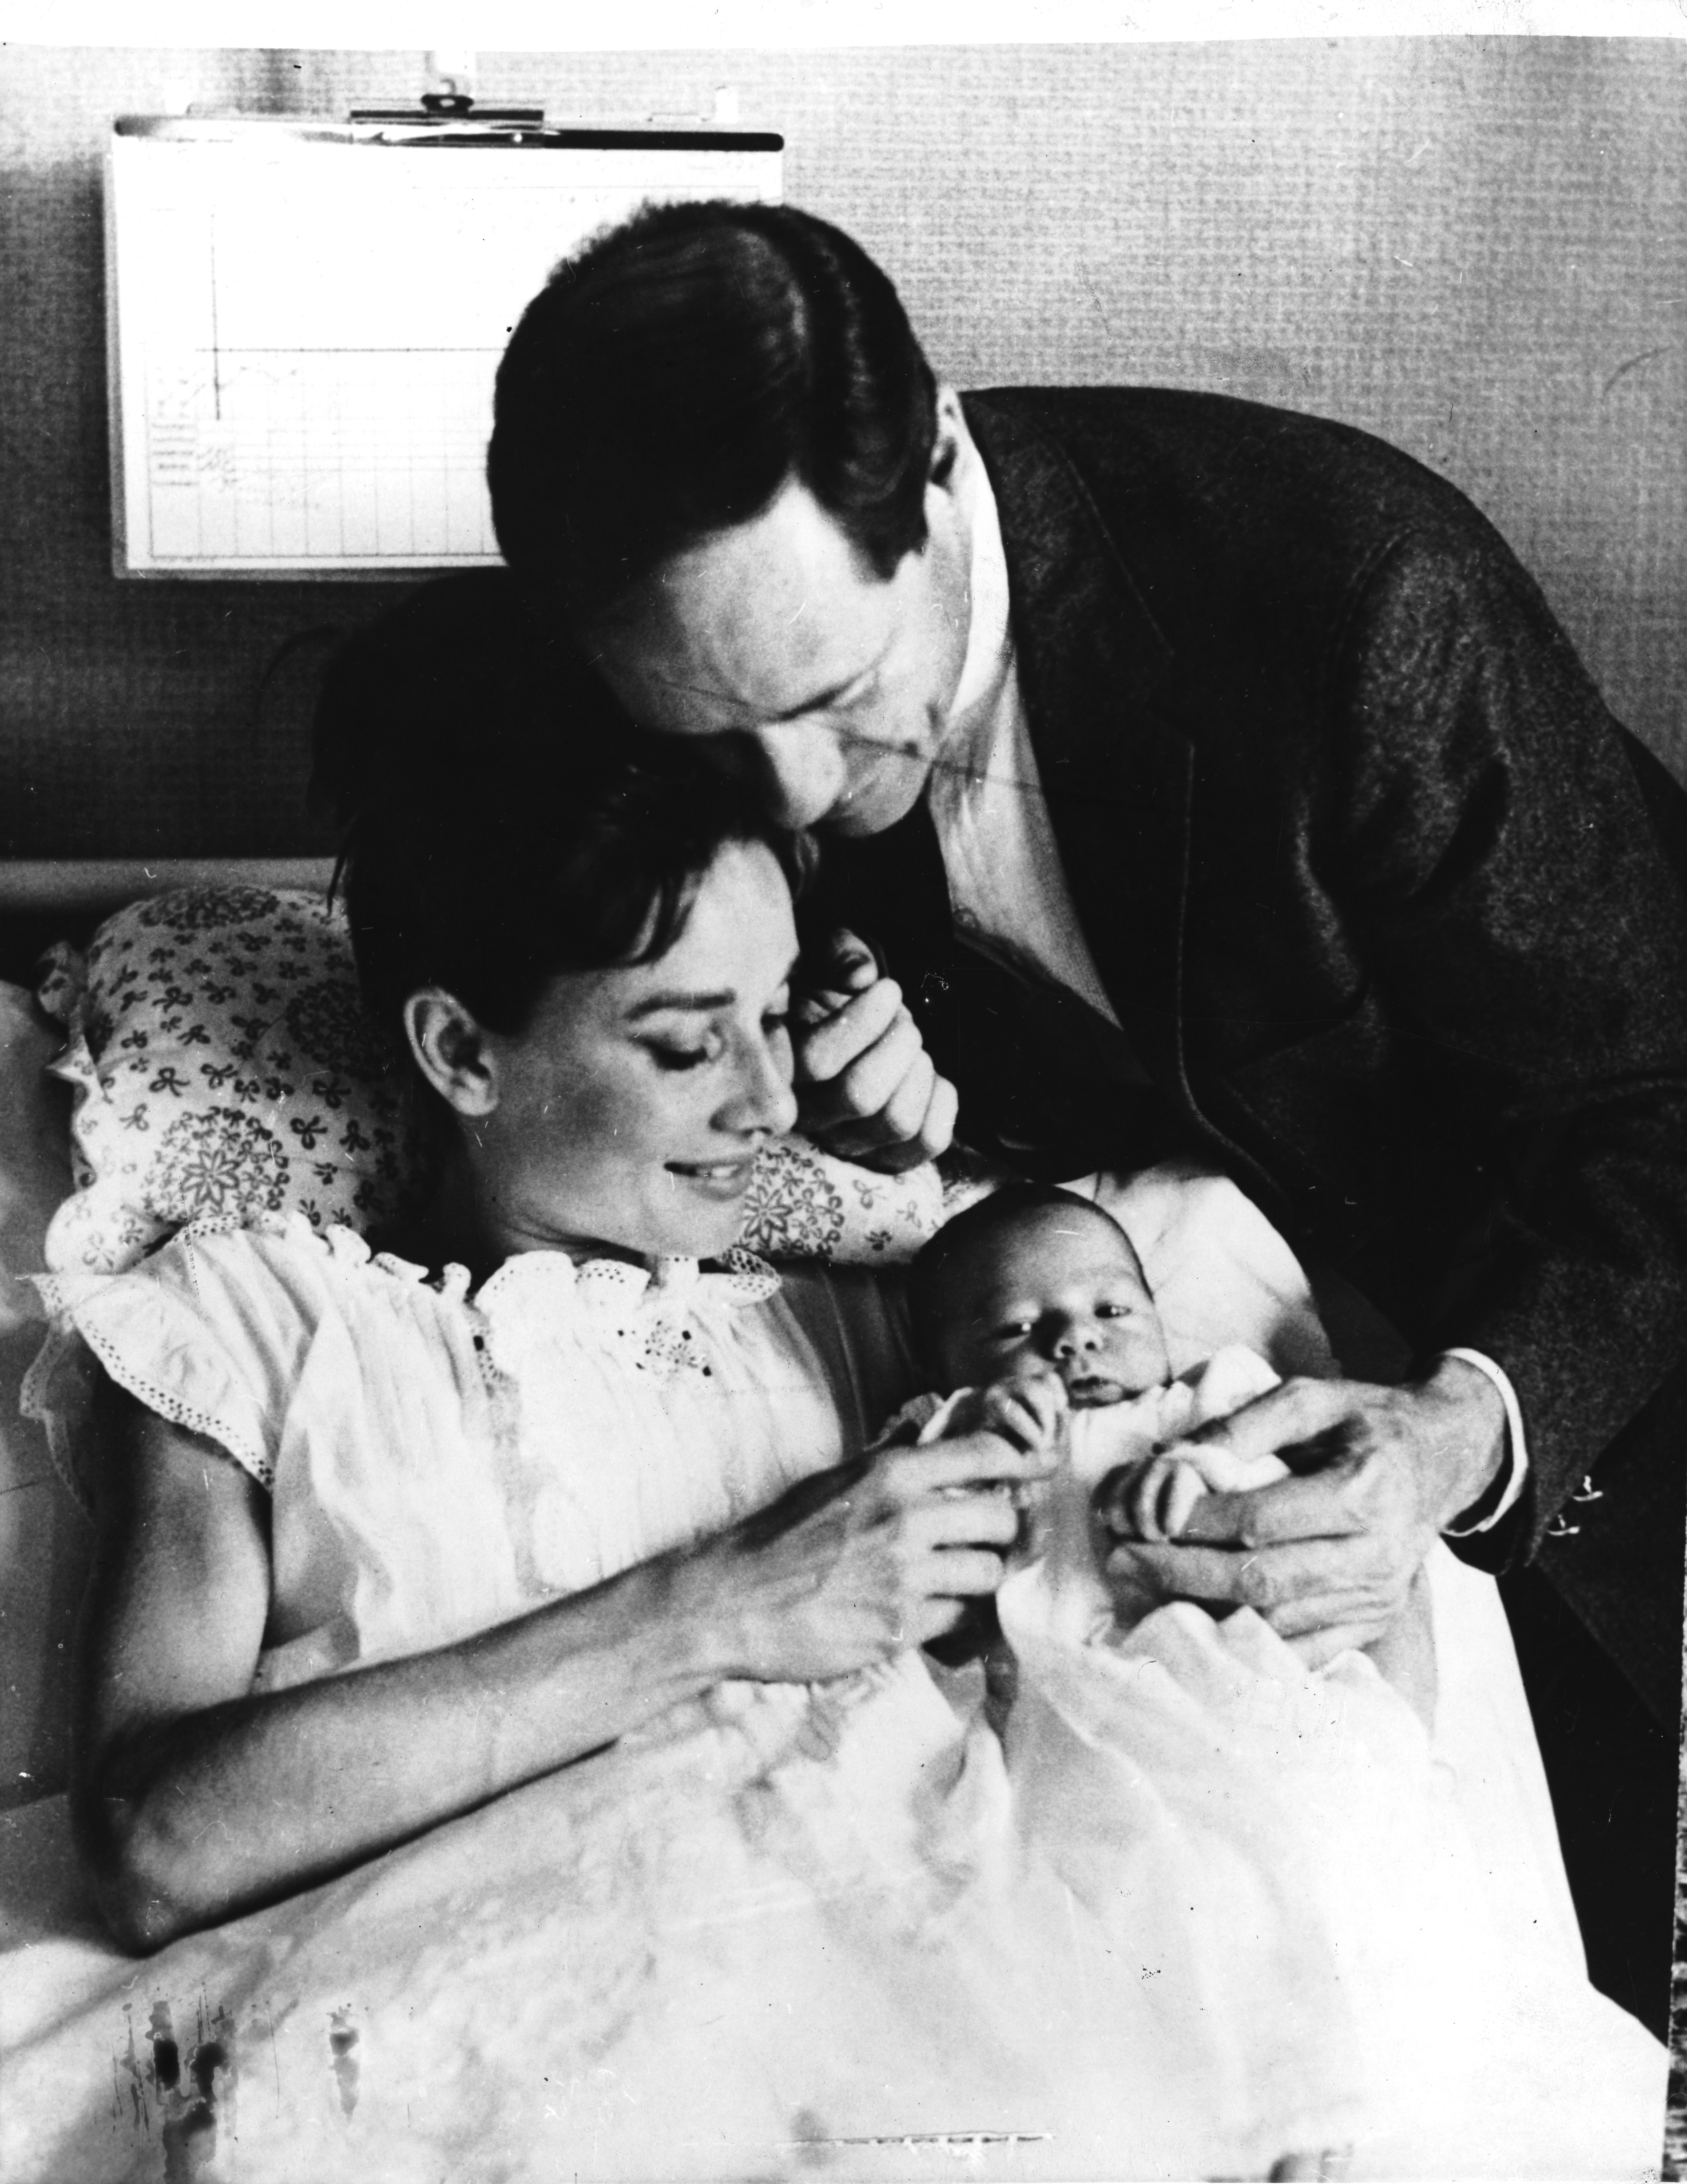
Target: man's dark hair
{"points": [[673, 376], [957, 1243], [501, 821]]}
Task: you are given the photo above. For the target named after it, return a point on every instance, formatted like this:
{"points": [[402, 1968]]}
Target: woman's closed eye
{"points": [[669, 1054], [679, 1055]]}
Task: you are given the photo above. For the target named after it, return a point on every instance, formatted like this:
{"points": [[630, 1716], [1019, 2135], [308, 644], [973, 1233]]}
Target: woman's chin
{"points": [[686, 1215], [700, 1216], [698, 1242]]}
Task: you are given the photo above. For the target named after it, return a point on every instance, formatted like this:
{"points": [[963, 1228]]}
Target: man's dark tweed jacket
{"points": [[1392, 912]]}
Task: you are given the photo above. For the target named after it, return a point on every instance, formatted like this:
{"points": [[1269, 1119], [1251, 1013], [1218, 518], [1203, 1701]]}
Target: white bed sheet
{"points": [[432, 2013], [600, 1977]]}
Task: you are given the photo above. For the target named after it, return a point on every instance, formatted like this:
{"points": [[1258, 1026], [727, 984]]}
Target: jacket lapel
{"points": [[1117, 771]]}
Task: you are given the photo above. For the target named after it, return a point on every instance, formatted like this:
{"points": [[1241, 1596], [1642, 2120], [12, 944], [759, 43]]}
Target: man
{"points": [[1213, 778]]}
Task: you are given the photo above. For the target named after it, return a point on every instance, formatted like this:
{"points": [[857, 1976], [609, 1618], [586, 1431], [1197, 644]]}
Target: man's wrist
{"points": [[1475, 1439]]}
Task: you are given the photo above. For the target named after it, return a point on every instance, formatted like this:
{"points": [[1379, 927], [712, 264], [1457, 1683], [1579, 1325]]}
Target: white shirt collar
{"points": [[989, 658], [1006, 887]]}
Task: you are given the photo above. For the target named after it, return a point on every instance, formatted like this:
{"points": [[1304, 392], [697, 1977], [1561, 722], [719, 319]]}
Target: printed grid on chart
{"points": [[320, 341], [275, 455]]}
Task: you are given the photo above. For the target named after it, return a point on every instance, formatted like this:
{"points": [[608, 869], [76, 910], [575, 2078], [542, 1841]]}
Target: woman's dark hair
{"points": [[673, 376], [501, 821]]}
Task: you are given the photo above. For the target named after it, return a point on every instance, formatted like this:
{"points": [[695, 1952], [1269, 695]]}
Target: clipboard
{"points": [[305, 319]]}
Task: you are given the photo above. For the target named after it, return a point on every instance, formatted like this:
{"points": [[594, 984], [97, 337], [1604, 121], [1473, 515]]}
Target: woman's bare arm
{"points": [[194, 1797]]}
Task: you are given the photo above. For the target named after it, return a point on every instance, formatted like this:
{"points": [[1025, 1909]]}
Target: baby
{"points": [[1032, 1308]]}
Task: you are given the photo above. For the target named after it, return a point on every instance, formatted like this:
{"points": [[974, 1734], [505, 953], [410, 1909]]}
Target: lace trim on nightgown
{"points": [[641, 1315]]}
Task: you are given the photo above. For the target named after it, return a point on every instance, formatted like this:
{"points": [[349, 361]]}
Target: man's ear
{"points": [[952, 443], [452, 1051]]}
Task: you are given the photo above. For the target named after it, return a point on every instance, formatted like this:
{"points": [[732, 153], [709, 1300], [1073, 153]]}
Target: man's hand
{"points": [[1327, 1555], [859, 1563], [865, 1086]]}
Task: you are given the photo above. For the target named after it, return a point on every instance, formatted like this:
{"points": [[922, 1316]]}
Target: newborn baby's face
{"points": [[1057, 1291]]}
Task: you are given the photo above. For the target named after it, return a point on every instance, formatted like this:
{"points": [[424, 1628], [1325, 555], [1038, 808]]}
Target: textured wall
{"points": [[1473, 246]]}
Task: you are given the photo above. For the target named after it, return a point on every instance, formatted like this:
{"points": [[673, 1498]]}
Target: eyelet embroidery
{"points": [[643, 1317]]}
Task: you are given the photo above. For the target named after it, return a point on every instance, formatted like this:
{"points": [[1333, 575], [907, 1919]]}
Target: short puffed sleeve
{"points": [[210, 1333]]}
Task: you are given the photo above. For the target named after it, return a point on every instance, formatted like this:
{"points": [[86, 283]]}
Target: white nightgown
{"points": [[1171, 1930], [438, 1464]]}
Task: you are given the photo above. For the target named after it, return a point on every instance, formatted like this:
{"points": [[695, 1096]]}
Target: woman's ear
{"points": [[452, 1051], [953, 444]]}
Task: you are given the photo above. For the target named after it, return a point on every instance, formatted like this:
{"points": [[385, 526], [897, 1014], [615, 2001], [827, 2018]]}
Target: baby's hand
{"points": [[1030, 1409], [1150, 1499], [1027, 1410]]}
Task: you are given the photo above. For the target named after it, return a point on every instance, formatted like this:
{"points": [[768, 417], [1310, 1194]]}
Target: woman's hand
{"points": [[858, 1564]]}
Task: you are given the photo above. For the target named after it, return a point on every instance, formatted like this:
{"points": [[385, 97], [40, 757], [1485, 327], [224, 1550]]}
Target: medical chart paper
{"points": [[304, 324]]}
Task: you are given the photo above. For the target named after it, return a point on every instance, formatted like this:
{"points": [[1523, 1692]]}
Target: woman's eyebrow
{"points": [[695, 1003], [691, 1003]]}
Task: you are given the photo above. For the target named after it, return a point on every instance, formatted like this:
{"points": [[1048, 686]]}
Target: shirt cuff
{"points": [[1517, 1448]]}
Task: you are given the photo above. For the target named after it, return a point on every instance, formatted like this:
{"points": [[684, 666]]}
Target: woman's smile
{"points": [[724, 1180]]}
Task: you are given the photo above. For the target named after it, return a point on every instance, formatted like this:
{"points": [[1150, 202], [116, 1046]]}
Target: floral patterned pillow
{"points": [[222, 1063]]}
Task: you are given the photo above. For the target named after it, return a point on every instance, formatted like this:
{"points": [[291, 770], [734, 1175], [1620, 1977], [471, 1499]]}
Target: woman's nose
{"points": [[762, 1099]]}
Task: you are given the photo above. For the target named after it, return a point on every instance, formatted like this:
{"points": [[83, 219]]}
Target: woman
{"points": [[385, 1536], [629, 938]]}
